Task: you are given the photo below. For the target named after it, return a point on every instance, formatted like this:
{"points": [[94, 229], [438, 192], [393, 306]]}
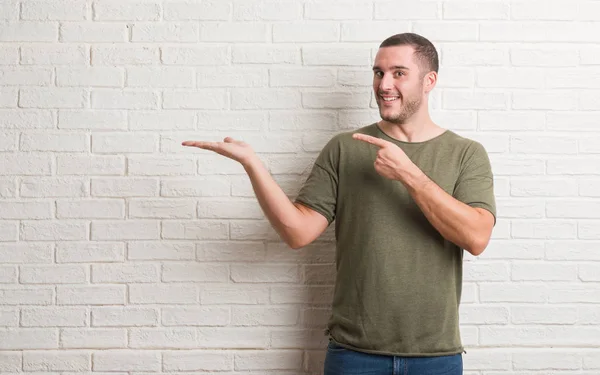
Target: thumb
{"points": [[231, 140]]}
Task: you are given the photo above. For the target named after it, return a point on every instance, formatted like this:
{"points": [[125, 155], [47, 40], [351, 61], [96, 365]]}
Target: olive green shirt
{"points": [[398, 284]]}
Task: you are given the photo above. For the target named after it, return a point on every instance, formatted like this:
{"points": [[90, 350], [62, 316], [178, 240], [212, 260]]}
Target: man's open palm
{"points": [[236, 150]]}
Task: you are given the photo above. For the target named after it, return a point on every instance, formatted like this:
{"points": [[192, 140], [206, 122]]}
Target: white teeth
{"points": [[389, 99]]}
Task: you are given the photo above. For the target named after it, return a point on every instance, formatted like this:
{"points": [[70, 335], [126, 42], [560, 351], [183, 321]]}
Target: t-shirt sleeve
{"points": [[475, 185], [319, 192]]}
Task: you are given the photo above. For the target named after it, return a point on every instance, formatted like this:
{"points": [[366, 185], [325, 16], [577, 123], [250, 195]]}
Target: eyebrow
{"points": [[395, 67]]}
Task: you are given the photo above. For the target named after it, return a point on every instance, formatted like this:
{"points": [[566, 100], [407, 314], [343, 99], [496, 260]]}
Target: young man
{"points": [[407, 197]]}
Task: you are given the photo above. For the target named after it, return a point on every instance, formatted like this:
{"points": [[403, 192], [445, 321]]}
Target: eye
{"points": [[399, 73], [378, 74]]}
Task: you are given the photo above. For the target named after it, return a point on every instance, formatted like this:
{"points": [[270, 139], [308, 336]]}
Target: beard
{"points": [[408, 108]]}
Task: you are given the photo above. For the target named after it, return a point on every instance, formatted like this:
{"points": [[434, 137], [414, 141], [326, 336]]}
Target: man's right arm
{"points": [[297, 225]]}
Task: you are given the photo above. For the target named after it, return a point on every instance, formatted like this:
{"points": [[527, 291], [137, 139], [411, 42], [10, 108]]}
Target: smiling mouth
{"points": [[389, 98]]}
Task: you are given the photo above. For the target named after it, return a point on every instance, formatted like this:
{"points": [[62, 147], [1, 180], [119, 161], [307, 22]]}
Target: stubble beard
{"points": [[406, 111]]}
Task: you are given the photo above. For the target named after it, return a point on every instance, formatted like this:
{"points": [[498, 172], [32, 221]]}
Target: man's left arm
{"points": [[466, 226]]}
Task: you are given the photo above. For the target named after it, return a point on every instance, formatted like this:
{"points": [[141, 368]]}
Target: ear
{"points": [[429, 81]]}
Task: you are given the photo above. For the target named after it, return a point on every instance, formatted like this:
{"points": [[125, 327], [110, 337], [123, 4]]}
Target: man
{"points": [[407, 197]]}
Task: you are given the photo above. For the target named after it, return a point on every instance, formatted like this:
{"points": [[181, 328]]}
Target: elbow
{"points": [[477, 246], [295, 242]]}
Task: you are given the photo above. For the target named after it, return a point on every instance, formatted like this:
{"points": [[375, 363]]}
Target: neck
{"points": [[418, 128]]}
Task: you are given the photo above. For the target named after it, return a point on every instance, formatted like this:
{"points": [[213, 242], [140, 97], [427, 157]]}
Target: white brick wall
{"points": [[122, 252]]}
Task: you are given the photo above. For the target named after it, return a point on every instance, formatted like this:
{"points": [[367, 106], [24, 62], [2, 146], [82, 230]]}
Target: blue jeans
{"points": [[341, 361]]}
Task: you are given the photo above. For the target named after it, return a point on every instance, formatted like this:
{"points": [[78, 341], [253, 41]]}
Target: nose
{"points": [[386, 82]]}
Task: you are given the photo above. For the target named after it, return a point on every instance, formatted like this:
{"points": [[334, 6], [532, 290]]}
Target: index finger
{"points": [[369, 139], [200, 144]]}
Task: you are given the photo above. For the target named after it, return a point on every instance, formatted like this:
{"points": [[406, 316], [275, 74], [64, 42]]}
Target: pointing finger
{"points": [[369, 139]]}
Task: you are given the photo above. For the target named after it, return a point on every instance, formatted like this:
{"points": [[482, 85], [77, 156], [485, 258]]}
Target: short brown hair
{"points": [[424, 50]]}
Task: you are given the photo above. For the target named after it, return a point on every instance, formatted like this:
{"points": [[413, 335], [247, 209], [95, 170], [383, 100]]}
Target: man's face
{"points": [[397, 83]]}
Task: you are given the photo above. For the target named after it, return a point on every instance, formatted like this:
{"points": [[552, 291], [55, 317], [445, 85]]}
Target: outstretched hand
{"points": [[391, 161], [235, 150]]}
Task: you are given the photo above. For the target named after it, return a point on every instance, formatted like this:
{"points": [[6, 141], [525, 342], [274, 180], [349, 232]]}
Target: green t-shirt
{"points": [[399, 282]]}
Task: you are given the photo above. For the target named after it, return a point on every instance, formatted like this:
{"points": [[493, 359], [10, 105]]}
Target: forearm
{"points": [[456, 221], [283, 215]]}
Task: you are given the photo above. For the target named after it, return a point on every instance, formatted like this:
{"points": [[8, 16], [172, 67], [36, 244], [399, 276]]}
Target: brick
{"points": [[231, 251], [162, 120], [126, 360], [204, 55], [161, 250], [8, 141], [9, 231], [242, 32], [54, 230], [537, 31], [26, 119], [447, 31], [93, 32], [92, 120], [162, 338], [52, 98], [312, 31], [543, 272], [543, 187], [232, 120], [388, 10], [124, 187], [162, 209], [574, 293], [542, 11], [93, 338], [90, 165], [509, 77], [126, 99], [25, 76], [264, 316], [125, 230], [195, 230], [163, 294], [301, 78], [90, 209], [52, 274], [155, 166], [210, 10], [56, 361], [556, 56], [198, 99], [271, 360], [124, 317], [589, 187], [54, 55], [185, 32], [26, 253], [26, 338], [8, 275], [264, 99], [355, 78], [246, 338], [237, 294], [29, 32], [265, 274], [117, 55], [545, 335], [117, 143], [170, 77], [252, 230], [335, 100], [195, 316], [97, 77], [542, 145], [459, 54], [513, 120], [9, 11], [572, 251], [572, 209], [86, 252], [474, 100], [26, 296], [232, 77], [53, 187], [555, 101], [57, 142], [115, 11], [573, 166], [543, 315], [548, 229], [514, 293], [589, 230], [471, 10], [9, 97], [54, 11], [298, 339], [11, 361], [265, 54], [195, 272], [589, 55], [314, 295], [483, 314], [305, 121], [337, 56], [90, 295], [589, 314], [188, 360], [9, 55], [54, 317], [229, 209], [267, 11], [124, 273]]}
